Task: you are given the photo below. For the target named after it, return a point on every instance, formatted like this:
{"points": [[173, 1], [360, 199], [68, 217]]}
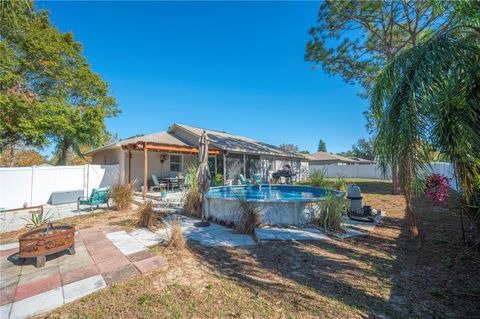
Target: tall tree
{"points": [[19, 155], [429, 96], [289, 148], [356, 39], [322, 147], [364, 149], [48, 92]]}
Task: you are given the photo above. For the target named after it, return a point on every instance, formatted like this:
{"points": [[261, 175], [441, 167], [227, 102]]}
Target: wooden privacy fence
{"points": [[34, 185]]}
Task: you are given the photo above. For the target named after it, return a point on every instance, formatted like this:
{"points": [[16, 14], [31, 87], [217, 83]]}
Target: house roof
{"points": [[163, 138], [218, 140], [324, 156], [235, 143], [157, 138]]}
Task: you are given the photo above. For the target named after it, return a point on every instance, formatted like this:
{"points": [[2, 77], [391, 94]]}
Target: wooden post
{"points": [[129, 167], [245, 165], [224, 169], [145, 169]]}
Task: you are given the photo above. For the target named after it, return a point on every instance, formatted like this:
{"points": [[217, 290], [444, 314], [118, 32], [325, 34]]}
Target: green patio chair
{"points": [[243, 180], [98, 196], [257, 178], [156, 184]]}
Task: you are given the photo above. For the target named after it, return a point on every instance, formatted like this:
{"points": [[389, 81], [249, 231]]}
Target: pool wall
{"points": [[272, 212]]}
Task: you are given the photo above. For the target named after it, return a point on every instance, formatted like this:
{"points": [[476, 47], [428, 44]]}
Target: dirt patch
{"points": [[124, 219]]}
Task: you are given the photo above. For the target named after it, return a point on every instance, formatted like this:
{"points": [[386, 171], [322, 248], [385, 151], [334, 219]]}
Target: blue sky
{"points": [[232, 66]]}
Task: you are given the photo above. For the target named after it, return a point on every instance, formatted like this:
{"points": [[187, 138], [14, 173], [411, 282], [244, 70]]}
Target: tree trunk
{"points": [[63, 154], [12, 155], [410, 215], [396, 189]]}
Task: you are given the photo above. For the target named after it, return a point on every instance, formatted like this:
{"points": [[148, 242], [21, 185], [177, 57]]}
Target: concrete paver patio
{"points": [[27, 290]]}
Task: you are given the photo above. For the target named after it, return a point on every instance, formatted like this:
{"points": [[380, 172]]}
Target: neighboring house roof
{"points": [[361, 160], [218, 140], [329, 157]]}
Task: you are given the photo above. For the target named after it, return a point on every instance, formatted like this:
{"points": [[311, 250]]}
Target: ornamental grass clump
{"points": [[436, 187], [250, 217], [192, 198], [330, 213], [122, 196], [340, 183], [317, 178], [146, 215], [176, 240]]}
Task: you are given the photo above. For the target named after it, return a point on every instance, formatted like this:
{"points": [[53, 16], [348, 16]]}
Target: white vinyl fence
{"points": [[372, 171], [34, 185]]}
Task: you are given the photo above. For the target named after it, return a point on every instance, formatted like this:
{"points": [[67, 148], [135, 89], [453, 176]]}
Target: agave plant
{"points": [[37, 219]]}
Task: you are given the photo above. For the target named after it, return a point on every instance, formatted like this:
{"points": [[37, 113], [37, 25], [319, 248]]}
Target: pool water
{"points": [[273, 193]]}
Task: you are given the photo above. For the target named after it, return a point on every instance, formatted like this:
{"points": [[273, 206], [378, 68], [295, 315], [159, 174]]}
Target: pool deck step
{"points": [[157, 205]]}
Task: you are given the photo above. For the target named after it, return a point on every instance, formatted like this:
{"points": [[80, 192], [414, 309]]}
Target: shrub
{"points": [[193, 196], [122, 196], [146, 215], [340, 183], [330, 213], [436, 187], [250, 217], [176, 240], [317, 179]]}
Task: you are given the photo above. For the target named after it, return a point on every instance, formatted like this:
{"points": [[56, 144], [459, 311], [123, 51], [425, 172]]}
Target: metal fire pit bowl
{"points": [[46, 240]]}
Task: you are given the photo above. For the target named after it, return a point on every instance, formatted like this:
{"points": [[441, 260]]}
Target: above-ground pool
{"points": [[277, 204]]}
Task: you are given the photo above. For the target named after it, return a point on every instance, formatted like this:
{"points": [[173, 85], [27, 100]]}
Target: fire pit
{"points": [[46, 240]]}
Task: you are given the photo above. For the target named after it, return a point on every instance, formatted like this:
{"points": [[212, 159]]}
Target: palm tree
{"points": [[429, 96]]}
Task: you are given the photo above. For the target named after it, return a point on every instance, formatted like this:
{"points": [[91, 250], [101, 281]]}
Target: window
{"points": [[175, 163]]}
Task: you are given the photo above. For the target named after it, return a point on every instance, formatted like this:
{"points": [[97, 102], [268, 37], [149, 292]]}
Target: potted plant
{"points": [[163, 192], [218, 178]]}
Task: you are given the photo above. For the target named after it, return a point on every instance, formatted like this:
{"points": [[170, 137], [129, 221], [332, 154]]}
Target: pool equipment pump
{"points": [[354, 194]]}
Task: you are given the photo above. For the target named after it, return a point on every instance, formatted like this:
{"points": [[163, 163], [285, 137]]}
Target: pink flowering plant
{"points": [[436, 187]]}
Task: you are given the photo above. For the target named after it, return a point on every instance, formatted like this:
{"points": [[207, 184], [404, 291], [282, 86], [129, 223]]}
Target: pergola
{"points": [[157, 147]]}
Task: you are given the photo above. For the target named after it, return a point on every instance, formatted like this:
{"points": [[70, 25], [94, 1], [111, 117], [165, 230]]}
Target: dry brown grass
{"points": [[122, 196], [146, 215], [176, 240], [126, 220], [384, 275]]}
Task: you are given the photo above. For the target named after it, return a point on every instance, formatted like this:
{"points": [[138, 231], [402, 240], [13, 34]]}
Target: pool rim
{"points": [[339, 194]]}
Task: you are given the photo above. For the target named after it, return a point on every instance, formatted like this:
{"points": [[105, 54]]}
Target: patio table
{"points": [[172, 181]]}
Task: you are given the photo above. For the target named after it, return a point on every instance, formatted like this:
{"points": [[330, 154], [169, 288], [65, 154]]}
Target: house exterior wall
{"points": [[111, 157], [235, 164], [155, 165]]}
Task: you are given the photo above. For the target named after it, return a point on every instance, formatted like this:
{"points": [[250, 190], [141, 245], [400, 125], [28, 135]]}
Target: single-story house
{"points": [[359, 160], [324, 158], [170, 153]]}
